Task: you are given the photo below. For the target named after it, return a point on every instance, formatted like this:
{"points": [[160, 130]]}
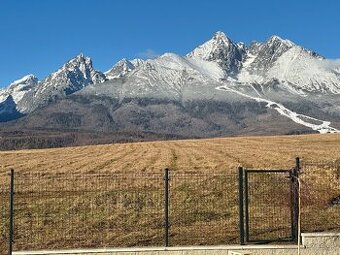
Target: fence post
{"points": [[295, 213], [11, 214], [241, 203], [166, 207]]}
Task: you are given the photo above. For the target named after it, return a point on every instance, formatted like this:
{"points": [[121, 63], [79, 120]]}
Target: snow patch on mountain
{"points": [[296, 69], [307, 121], [304, 71], [137, 62], [122, 68], [166, 76], [275, 39], [223, 51], [17, 89], [258, 71], [208, 69], [73, 76], [176, 70], [76, 74]]}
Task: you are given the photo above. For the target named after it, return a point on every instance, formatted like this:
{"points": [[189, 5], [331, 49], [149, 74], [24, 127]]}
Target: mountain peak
{"points": [[137, 62], [17, 89], [123, 61], [122, 67], [219, 42], [222, 50], [275, 39], [79, 64], [27, 80], [29, 76], [74, 75], [80, 58], [221, 37]]}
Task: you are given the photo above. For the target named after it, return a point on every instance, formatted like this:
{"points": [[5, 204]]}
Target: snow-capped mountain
{"points": [[168, 75], [293, 66], [265, 54], [73, 76], [222, 50], [19, 88], [123, 67], [76, 74], [283, 77]]}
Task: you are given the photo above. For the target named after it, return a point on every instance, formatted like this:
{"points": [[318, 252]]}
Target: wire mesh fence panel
{"points": [[268, 206], [203, 209], [320, 196], [61, 210], [64, 210], [4, 213]]}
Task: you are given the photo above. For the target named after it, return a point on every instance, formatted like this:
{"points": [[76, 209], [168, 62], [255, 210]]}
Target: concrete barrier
{"points": [[312, 244], [189, 250], [321, 240]]}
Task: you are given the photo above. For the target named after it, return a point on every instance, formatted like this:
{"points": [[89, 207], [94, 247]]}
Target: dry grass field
{"points": [[112, 195], [189, 155]]}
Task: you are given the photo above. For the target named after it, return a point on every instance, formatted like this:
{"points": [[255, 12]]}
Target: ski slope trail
{"points": [[307, 121]]}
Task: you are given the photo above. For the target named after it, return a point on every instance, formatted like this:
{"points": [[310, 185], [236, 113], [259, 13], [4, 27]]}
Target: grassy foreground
{"points": [[189, 155], [112, 195]]}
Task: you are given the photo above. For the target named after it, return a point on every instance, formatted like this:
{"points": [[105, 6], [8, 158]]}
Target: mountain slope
{"points": [[222, 50], [73, 76], [19, 88], [219, 88], [123, 67], [8, 110], [294, 67]]}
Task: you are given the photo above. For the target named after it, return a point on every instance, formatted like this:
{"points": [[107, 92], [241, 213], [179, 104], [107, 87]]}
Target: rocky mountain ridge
{"points": [[287, 81]]}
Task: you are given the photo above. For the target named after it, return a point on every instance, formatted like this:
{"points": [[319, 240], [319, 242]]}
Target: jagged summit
{"points": [[275, 39], [74, 75], [80, 58], [222, 50], [122, 68], [17, 89], [81, 62], [271, 69], [27, 79], [82, 65], [206, 51], [137, 62], [221, 37], [275, 46]]}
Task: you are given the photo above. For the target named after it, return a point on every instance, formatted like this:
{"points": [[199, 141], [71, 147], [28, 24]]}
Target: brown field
{"points": [[188, 155], [112, 195]]}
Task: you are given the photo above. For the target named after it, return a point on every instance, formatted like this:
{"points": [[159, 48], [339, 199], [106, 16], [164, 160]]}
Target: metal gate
{"points": [[268, 205]]}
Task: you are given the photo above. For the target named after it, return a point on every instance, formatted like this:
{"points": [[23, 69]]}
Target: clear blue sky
{"points": [[38, 36]]}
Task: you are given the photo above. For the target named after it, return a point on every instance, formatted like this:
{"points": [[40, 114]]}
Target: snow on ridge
{"points": [[298, 67], [205, 50], [24, 79], [209, 69], [277, 62], [122, 68], [18, 88], [196, 66], [301, 119], [3, 96], [297, 70], [276, 38]]}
